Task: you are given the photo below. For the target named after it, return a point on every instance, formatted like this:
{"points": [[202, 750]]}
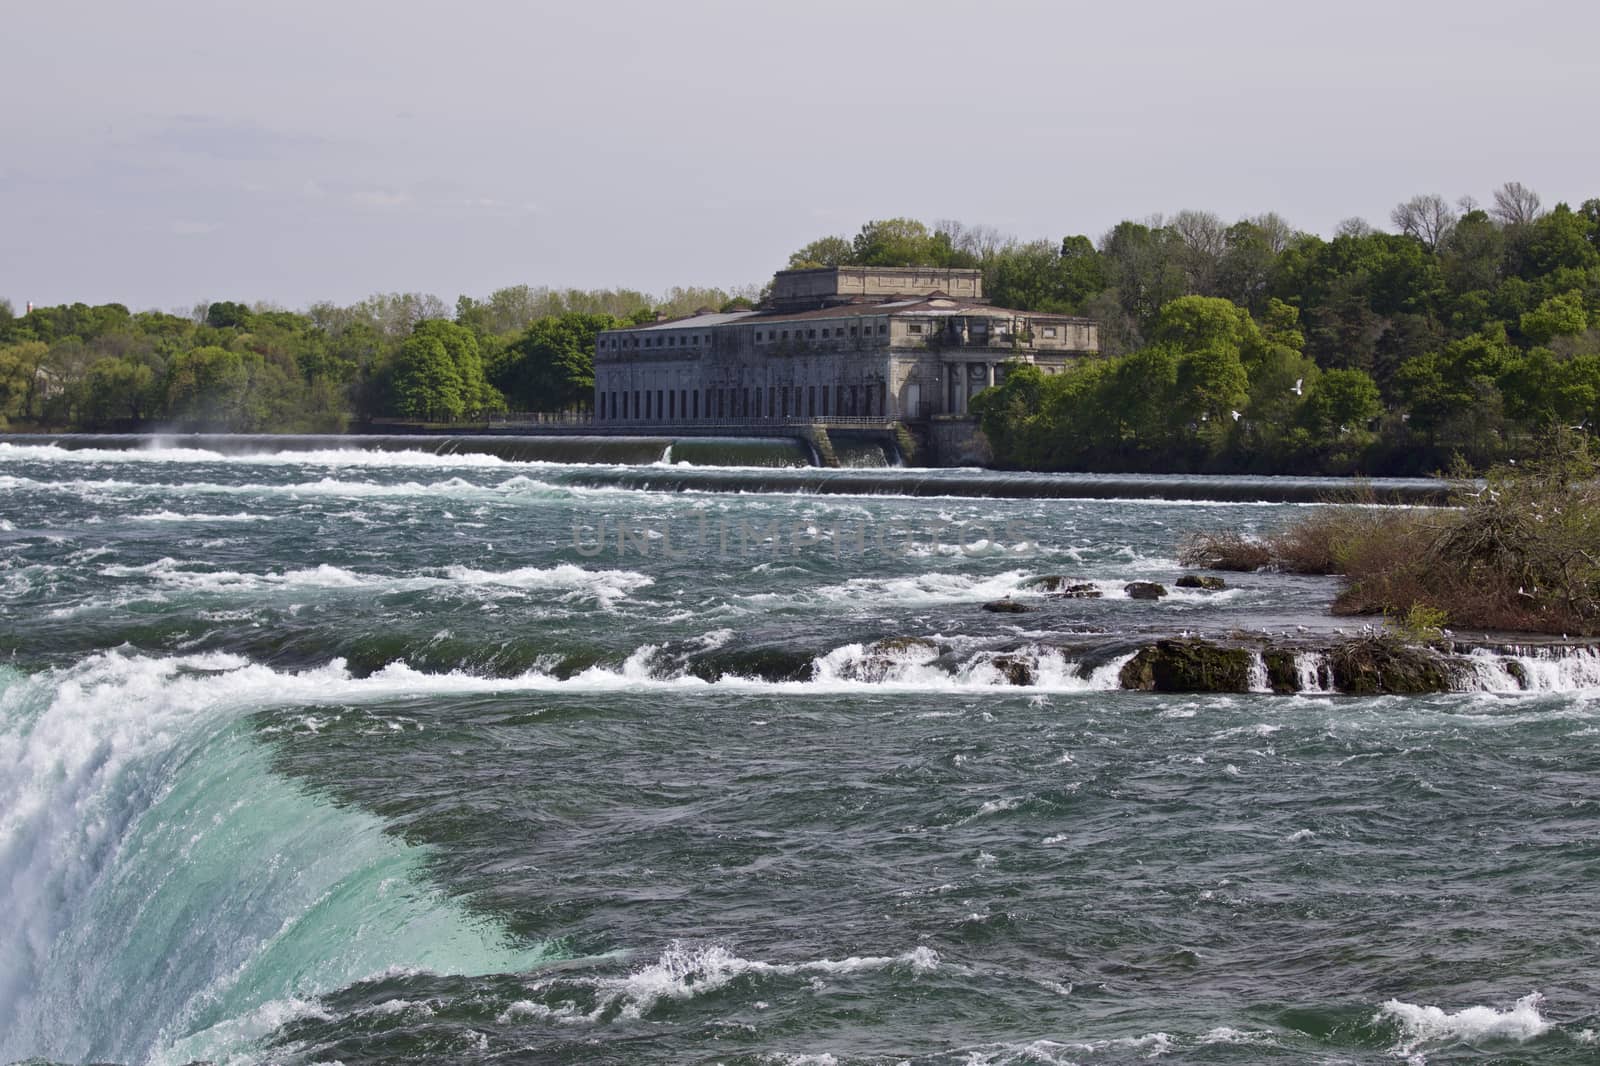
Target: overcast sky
{"points": [[166, 152]]}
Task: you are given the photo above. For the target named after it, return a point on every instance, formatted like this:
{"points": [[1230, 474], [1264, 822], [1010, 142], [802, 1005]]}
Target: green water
{"points": [[388, 756]]}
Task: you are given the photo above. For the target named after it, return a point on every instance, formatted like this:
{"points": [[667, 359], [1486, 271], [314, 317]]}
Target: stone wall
{"points": [[956, 441]]}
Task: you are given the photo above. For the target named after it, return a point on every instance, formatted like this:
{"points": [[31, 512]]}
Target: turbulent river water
{"points": [[368, 756]]}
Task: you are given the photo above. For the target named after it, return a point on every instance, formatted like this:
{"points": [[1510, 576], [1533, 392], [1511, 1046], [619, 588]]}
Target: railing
{"points": [[542, 418]]}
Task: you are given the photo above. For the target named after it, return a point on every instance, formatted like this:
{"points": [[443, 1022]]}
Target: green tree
{"points": [[551, 366], [426, 382], [1341, 404], [824, 252], [118, 391], [19, 368], [1558, 316], [209, 387]]}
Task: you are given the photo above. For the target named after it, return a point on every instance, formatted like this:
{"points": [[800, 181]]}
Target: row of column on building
{"points": [[774, 401]]}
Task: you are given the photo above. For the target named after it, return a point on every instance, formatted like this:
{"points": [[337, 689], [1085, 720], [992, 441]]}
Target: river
{"points": [[380, 754]]}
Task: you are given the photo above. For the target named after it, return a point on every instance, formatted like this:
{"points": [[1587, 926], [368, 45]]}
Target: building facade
{"points": [[901, 344]]}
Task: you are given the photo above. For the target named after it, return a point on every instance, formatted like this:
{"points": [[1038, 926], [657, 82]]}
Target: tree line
{"points": [[229, 366], [1465, 331]]}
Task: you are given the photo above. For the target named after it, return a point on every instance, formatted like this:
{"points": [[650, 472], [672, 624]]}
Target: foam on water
{"points": [[685, 971], [351, 457], [604, 586], [170, 898], [1422, 1026]]}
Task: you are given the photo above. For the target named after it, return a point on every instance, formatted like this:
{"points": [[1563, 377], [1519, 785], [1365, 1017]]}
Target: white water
{"points": [[1422, 1026], [569, 581], [169, 898]]}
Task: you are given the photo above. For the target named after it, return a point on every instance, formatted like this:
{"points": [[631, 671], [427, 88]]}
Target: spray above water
{"points": [[166, 887]]}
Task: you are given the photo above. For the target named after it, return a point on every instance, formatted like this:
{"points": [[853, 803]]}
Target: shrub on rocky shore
{"points": [[1518, 551]]}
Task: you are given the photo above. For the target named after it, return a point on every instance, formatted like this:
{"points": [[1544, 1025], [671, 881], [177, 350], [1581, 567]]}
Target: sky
{"points": [[171, 152]]}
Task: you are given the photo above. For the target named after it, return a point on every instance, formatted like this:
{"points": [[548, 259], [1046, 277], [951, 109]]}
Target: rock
{"points": [[1202, 581], [1007, 606], [1283, 671], [1187, 666], [1144, 590], [1080, 592], [1517, 672], [1370, 666], [1015, 669], [893, 645], [885, 658], [768, 663], [1047, 582]]}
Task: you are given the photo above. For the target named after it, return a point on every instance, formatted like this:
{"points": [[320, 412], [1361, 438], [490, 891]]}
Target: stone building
{"points": [[881, 343]]}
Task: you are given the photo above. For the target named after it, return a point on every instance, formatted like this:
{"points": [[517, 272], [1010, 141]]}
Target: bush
{"points": [[1521, 552], [1225, 550]]}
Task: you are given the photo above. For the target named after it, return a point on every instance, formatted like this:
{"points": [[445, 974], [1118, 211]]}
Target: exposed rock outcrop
{"points": [[1144, 590], [1370, 666], [1187, 666], [1006, 606]]}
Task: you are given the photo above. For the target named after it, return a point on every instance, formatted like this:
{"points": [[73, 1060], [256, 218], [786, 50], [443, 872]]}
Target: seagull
{"points": [[1297, 390], [1235, 414]]}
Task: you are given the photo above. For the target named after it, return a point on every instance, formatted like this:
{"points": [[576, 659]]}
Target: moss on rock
{"points": [[1187, 666], [1371, 666]]}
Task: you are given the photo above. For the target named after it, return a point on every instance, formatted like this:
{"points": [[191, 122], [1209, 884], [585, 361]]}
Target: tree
{"points": [[19, 368], [1342, 403], [427, 383], [823, 252], [1515, 204], [227, 315], [902, 242], [551, 366], [1141, 267], [1201, 241], [1562, 315], [118, 390], [1028, 277], [1427, 218], [209, 386]]}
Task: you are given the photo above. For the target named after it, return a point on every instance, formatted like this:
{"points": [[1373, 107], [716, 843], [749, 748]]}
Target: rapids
{"points": [[321, 750]]}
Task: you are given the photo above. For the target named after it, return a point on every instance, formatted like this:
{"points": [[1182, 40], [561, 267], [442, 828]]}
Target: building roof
{"points": [[934, 304]]}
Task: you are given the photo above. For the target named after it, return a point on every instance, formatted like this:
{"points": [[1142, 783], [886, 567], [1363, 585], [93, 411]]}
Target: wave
{"points": [[342, 457], [1421, 1026], [167, 887], [685, 971], [327, 487], [574, 583]]}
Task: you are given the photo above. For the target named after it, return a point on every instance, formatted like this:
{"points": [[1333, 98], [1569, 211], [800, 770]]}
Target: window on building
{"points": [[785, 334], [915, 327], [1049, 331], [852, 331], [811, 333], [883, 328]]}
